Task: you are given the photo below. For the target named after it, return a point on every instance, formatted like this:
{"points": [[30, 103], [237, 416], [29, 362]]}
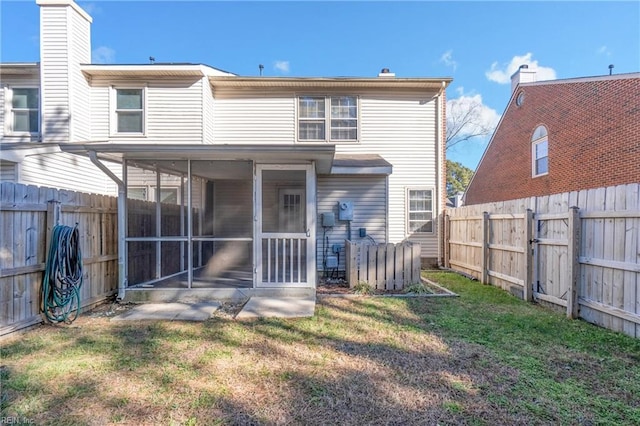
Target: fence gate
{"points": [[551, 258]]}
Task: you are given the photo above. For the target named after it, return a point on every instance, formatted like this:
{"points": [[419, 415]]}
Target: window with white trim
{"points": [[23, 107], [419, 210], [129, 110], [540, 152], [327, 118]]}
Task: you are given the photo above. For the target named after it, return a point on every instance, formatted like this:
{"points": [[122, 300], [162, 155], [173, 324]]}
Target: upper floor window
{"points": [[419, 210], [332, 118], [540, 152], [24, 110], [129, 111]]}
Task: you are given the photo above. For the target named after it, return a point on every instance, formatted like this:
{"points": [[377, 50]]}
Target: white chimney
{"points": [[65, 44], [386, 73], [523, 75]]}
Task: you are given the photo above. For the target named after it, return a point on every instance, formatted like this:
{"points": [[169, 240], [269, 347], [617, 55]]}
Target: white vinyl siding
{"points": [[54, 56], [64, 45], [208, 109], [79, 91], [173, 111], [398, 125], [254, 117], [401, 127], [369, 196], [66, 171]]}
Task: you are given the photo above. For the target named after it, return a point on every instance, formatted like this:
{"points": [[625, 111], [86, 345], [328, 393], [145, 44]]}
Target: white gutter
{"points": [[122, 279]]}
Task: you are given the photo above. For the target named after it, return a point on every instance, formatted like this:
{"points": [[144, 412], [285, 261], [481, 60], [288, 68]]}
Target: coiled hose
{"points": [[63, 275]]}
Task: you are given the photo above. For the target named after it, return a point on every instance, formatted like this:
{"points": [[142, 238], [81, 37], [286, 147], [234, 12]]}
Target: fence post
{"points": [[351, 253], [485, 248], [574, 264], [52, 219], [446, 237], [527, 294], [416, 263]]}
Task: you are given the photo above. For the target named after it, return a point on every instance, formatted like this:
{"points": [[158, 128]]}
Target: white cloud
{"points": [[282, 66], [502, 73], [103, 55], [447, 59], [604, 50]]}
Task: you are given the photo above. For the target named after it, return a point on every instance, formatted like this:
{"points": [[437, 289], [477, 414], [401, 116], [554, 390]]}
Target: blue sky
{"points": [[478, 44]]}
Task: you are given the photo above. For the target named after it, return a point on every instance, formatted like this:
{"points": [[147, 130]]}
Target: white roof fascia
{"points": [[161, 70], [273, 154], [434, 84], [19, 68]]}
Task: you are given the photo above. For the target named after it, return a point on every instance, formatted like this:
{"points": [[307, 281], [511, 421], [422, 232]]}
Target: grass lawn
{"points": [[484, 358]]}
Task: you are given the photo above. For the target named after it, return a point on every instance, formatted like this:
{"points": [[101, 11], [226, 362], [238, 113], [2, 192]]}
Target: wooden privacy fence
{"points": [[579, 251], [383, 266], [27, 216]]}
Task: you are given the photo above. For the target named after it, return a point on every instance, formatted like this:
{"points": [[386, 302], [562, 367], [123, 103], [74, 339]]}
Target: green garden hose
{"points": [[63, 275]]}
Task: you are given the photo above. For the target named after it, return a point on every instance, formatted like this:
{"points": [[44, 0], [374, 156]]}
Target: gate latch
{"points": [[535, 240]]}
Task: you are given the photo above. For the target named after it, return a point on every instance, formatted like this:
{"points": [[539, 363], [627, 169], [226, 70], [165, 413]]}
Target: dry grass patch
{"points": [[357, 361]]}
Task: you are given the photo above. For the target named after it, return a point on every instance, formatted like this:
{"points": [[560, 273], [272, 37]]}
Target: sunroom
{"points": [[206, 218]]}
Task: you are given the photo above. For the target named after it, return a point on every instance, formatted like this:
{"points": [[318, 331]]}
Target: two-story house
{"points": [[226, 180], [561, 135]]}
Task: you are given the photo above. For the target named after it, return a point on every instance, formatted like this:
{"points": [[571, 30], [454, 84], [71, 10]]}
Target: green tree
{"points": [[458, 177]]}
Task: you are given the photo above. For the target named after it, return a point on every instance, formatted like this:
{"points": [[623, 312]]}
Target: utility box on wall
{"points": [[345, 210], [328, 219]]}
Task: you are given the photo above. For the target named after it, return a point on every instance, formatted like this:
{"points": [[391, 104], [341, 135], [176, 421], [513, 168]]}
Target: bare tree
{"points": [[467, 118]]}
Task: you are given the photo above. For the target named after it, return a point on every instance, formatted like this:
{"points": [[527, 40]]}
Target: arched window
{"points": [[540, 152]]}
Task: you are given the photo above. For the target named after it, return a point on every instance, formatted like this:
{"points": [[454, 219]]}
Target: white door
{"points": [[285, 225]]}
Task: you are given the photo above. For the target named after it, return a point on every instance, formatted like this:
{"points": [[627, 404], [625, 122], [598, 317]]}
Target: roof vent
{"points": [[386, 73], [524, 66]]}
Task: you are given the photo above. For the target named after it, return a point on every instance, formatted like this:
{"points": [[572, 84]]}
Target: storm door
{"points": [[285, 223]]}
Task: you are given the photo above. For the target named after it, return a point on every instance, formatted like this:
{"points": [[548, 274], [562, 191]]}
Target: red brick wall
{"points": [[594, 140]]}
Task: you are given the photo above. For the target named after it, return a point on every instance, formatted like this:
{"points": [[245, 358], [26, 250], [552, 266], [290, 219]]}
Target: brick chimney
{"points": [[523, 75]]}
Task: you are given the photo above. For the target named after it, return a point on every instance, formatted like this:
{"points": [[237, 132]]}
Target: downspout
{"points": [[440, 160], [121, 221]]}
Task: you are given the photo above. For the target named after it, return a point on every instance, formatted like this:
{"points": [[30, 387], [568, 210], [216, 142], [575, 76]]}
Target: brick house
{"points": [[561, 135]]}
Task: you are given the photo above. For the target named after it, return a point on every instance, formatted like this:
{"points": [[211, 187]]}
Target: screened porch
{"points": [[165, 210]]}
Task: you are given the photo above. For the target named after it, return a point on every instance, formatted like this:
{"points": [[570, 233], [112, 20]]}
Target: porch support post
{"points": [[311, 224], [182, 221], [122, 220], [158, 225], [189, 227]]}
